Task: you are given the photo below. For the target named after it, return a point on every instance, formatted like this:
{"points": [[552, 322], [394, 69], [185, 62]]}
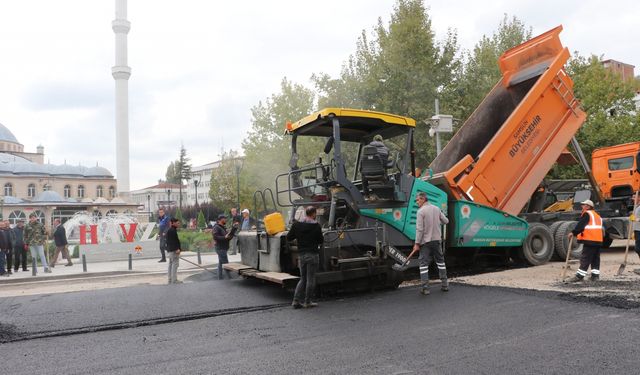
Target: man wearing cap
{"points": [[382, 149], [221, 240], [19, 247], [589, 232], [235, 221]]}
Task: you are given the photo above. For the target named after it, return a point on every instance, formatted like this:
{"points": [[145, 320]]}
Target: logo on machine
{"points": [[465, 211], [524, 135], [397, 214]]}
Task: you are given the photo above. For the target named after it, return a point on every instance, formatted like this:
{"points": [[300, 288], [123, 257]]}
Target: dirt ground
{"points": [[617, 291]]}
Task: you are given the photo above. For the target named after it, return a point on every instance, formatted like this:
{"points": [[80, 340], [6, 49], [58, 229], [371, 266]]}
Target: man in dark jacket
{"points": [[19, 247], [163, 226], [8, 250], [60, 238], [308, 233], [5, 245], [221, 241], [173, 251]]}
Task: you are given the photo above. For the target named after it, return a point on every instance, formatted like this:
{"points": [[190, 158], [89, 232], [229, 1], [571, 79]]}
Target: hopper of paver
{"points": [[506, 147]]}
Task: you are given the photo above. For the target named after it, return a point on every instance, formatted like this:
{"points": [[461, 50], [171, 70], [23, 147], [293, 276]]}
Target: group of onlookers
{"points": [[14, 243]]}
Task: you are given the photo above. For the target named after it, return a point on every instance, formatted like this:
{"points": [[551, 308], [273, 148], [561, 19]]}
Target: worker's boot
{"points": [[575, 279], [595, 278], [445, 285], [425, 290]]}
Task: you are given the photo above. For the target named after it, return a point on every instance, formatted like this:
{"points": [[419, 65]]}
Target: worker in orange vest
{"points": [[590, 233]]}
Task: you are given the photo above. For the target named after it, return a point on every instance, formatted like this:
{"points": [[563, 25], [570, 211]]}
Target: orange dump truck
{"points": [[510, 142], [617, 170]]}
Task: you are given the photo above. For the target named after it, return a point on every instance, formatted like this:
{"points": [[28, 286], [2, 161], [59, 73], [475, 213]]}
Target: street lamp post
{"points": [[238, 164], [149, 206], [195, 184], [169, 198]]}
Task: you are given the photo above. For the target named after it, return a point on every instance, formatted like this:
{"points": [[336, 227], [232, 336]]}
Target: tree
{"points": [[401, 70], [266, 148], [222, 189], [480, 71], [172, 174], [201, 222], [608, 102], [182, 170]]}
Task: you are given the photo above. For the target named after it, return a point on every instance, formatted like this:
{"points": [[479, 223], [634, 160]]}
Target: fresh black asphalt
{"points": [[244, 327]]}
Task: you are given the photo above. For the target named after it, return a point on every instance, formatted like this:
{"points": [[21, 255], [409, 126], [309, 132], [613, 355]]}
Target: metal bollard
{"points": [[130, 262], [34, 267], [199, 258], [84, 263]]}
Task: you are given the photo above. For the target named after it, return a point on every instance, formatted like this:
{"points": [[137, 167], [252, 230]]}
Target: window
{"points": [[80, 191], [8, 189], [621, 163], [112, 192], [97, 215], [67, 191], [99, 191], [31, 190], [14, 216], [40, 216], [46, 187], [112, 213]]}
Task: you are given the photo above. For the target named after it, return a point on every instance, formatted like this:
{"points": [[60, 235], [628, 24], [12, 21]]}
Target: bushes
{"points": [[193, 240]]}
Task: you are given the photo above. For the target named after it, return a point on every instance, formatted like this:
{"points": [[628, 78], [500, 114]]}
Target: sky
{"points": [[199, 66]]}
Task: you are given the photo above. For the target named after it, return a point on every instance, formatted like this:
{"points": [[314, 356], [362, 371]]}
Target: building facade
{"points": [[30, 186], [162, 195]]}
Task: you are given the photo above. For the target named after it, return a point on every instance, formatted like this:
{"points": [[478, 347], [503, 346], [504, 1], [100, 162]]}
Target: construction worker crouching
{"points": [[589, 232]]}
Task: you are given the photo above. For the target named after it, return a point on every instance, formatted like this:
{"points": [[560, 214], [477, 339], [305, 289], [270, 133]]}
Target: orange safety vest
{"points": [[593, 230]]}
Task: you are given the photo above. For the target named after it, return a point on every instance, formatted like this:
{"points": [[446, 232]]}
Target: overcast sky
{"points": [[199, 66]]}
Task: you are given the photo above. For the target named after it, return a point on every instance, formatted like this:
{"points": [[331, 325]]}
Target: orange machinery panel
{"points": [[507, 146]]}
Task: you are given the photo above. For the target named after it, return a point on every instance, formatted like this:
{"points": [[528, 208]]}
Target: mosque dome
{"points": [[6, 135], [49, 196]]}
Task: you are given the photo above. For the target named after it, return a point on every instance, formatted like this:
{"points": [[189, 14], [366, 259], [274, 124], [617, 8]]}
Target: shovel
{"points": [[626, 251], [403, 267], [197, 265], [566, 262]]}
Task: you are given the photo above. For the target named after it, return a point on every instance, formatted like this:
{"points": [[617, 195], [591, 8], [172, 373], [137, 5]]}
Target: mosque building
{"points": [[52, 191]]}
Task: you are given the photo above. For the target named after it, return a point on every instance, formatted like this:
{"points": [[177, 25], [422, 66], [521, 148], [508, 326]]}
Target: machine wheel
{"points": [[562, 242], [537, 248], [553, 228]]}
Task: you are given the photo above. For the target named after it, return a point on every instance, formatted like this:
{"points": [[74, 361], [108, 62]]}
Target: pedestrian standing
{"points": [[19, 247], [35, 237], [173, 251], [247, 222], [163, 226], [235, 221], [7, 245], [308, 234], [221, 242], [589, 232], [60, 239], [636, 227], [429, 220]]}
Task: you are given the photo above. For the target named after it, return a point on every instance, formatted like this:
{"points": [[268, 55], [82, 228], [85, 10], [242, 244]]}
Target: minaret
{"points": [[121, 73]]}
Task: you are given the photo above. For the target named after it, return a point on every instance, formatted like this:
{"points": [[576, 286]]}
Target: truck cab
{"points": [[617, 170]]}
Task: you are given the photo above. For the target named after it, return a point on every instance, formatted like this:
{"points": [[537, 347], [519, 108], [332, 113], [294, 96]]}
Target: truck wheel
{"points": [[553, 228], [562, 242], [537, 248]]}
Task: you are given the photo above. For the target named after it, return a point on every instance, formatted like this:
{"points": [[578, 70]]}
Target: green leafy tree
{"points": [[178, 215], [172, 174], [223, 186], [402, 68], [266, 148], [480, 71], [608, 101]]}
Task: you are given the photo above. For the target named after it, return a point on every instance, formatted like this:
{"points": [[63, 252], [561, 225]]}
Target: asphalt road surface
{"points": [[243, 327]]}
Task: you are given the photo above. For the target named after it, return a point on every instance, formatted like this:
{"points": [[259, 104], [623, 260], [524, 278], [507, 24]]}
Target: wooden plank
{"points": [[248, 272], [235, 267], [277, 277]]}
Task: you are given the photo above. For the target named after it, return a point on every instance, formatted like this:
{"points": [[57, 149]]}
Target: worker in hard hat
{"points": [[590, 233]]}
